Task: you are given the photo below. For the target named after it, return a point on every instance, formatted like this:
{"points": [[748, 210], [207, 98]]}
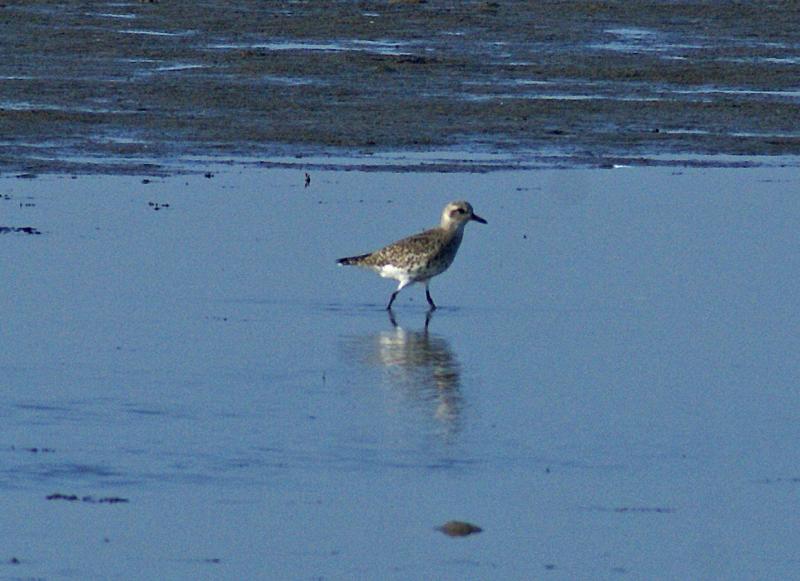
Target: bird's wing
{"points": [[402, 253]]}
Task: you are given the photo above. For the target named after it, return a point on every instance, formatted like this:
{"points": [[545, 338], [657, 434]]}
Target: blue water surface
{"points": [[609, 389]]}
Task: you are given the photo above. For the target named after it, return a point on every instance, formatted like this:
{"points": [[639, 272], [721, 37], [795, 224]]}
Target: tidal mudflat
{"points": [[125, 86], [193, 389]]}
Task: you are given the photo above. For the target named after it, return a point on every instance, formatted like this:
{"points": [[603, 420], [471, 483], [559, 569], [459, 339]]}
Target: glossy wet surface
{"points": [[193, 389]]}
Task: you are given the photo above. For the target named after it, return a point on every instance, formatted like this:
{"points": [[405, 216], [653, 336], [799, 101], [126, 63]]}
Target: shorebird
{"points": [[422, 256]]}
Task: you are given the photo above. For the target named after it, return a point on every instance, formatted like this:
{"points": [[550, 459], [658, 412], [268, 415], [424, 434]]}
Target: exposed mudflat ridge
{"points": [[119, 87]]}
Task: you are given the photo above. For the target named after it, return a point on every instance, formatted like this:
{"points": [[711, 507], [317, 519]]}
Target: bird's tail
{"points": [[355, 260]]}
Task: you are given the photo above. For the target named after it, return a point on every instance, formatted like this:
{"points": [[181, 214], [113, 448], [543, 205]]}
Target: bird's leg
{"points": [[428, 296], [391, 300]]}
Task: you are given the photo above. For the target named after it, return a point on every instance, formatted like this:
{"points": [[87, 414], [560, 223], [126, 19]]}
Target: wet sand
{"points": [[608, 389], [121, 87]]}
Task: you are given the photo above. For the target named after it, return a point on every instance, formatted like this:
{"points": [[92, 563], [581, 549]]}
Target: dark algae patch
{"points": [[84, 90], [19, 230], [87, 499]]}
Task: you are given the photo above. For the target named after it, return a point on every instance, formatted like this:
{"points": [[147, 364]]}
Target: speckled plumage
{"points": [[422, 256]]}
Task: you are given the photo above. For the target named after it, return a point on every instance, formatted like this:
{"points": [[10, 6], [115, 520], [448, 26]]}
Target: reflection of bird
{"points": [[420, 257], [419, 365]]}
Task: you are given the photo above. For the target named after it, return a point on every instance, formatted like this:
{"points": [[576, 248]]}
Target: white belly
{"points": [[399, 274]]}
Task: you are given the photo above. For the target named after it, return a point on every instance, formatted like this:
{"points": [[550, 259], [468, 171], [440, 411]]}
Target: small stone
{"points": [[457, 528]]}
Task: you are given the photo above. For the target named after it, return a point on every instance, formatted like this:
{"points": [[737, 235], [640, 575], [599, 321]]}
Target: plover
{"points": [[422, 256]]}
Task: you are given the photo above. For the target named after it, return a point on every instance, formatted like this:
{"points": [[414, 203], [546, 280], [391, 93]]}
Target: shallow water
{"points": [[608, 388]]}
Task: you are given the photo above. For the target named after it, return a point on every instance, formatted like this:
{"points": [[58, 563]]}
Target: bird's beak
{"points": [[478, 219]]}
